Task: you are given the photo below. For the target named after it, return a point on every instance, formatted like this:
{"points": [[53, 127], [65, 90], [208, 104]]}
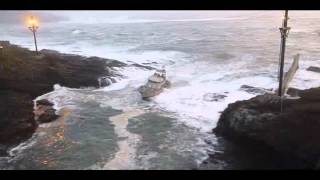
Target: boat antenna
{"points": [[284, 30]]}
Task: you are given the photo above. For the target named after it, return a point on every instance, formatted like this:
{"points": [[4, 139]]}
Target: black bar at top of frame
{"points": [[158, 5]]}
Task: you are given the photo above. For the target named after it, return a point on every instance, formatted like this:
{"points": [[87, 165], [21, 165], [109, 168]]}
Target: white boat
{"points": [[155, 84]]}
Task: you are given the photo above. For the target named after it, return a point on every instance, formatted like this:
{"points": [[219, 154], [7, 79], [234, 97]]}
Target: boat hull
{"points": [[147, 92]]}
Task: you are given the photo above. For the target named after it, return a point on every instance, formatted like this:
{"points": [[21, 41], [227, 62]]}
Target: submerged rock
{"points": [[254, 90], [213, 97], [314, 69], [104, 81], [143, 66], [295, 131]]}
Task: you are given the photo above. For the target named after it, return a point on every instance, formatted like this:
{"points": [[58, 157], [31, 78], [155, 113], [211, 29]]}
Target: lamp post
{"points": [[33, 27]]}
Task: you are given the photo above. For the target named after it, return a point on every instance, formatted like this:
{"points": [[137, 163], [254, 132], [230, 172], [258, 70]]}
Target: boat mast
{"points": [[284, 30]]}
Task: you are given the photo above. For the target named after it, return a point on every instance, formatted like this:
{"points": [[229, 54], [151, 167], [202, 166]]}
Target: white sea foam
{"points": [[193, 110], [305, 79], [188, 101], [16, 151], [60, 97], [133, 76], [76, 31]]}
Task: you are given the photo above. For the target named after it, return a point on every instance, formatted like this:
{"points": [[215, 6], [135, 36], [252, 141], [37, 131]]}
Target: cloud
{"points": [[17, 17]]}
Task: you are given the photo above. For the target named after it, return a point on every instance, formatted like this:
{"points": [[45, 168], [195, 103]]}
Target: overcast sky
{"points": [[133, 16], [113, 16]]}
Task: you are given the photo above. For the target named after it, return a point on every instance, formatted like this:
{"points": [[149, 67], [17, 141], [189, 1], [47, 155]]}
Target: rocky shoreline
{"points": [[293, 133], [25, 75]]}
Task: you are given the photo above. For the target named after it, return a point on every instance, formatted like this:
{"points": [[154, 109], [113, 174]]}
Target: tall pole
{"points": [[284, 33], [35, 39], [1, 51], [33, 27]]}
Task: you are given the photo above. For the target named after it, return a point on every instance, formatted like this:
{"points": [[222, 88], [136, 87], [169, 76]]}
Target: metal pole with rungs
{"points": [[284, 30]]}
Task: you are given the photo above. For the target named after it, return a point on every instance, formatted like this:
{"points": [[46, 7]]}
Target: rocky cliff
{"points": [[294, 132], [25, 75]]}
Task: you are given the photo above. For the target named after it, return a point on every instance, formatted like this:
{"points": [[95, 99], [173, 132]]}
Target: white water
{"points": [[201, 56]]}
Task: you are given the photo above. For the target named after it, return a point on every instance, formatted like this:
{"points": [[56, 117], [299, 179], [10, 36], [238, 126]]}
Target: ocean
{"points": [[113, 128]]}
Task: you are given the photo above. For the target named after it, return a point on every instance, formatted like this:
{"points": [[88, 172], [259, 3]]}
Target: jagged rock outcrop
{"points": [[44, 111], [25, 72], [24, 76], [295, 131]]}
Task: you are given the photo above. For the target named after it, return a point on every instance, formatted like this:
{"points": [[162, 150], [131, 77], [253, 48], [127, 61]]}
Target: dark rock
{"points": [[109, 62], [254, 90], [35, 76], [48, 51], [294, 92], [4, 43], [104, 81], [312, 94], [113, 80], [295, 131], [17, 120], [44, 111], [48, 115], [143, 66], [24, 76], [167, 84], [148, 63], [247, 155], [213, 97], [3, 151], [44, 102], [314, 69]]}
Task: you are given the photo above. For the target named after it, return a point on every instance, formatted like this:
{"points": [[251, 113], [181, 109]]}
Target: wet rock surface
{"points": [[143, 66], [294, 132], [44, 111], [254, 90], [293, 92], [213, 97], [24, 76], [314, 69], [16, 122]]}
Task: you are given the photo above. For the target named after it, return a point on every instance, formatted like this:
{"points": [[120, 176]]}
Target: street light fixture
{"points": [[33, 27]]}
